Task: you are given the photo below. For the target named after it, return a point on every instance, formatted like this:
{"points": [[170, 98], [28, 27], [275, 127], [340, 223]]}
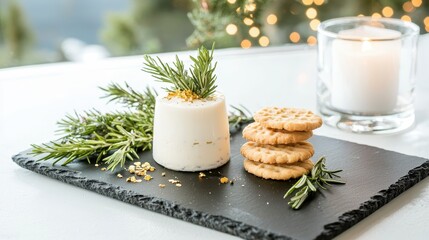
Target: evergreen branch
{"points": [[307, 185]]}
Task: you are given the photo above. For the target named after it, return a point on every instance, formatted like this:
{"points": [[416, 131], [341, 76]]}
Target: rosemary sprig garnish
{"points": [[200, 79], [112, 138], [238, 117], [320, 176]]}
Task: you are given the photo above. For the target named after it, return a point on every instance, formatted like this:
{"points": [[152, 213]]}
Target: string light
{"points": [[360, 15], [387, 11], [254, 32], [250, 7], [314, 24], [416, 3], [245, 43], [311, 13], [294, 37], [307, 2], [231, 29], [231, 1], [426, 21], [311, 40], [248, 21], [406, 18], [272, 19], [319, 2], [376, 15], [408, 7], [264, 41]]}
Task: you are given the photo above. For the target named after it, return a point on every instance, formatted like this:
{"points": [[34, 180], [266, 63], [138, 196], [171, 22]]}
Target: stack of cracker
{"points": [[277, 147]]}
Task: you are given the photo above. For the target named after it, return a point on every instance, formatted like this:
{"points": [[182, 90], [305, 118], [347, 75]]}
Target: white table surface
{"points": [[33, 98]]}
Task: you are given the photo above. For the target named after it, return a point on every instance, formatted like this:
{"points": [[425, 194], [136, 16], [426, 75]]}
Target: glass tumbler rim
{"points": [[412, 27]]}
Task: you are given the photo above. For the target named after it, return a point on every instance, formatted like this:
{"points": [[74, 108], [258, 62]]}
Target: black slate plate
{"points": [[254, 208]]}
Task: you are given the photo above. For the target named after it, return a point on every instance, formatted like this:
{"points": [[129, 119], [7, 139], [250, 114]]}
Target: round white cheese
{"points": [[191, 136]]}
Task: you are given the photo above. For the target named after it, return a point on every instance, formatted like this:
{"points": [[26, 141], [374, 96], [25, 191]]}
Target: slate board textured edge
{"points": [[352, 217], [221, 223]]}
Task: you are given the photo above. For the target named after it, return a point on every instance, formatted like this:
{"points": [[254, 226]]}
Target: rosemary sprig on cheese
{"points": [[195, 83], [319, 178]]}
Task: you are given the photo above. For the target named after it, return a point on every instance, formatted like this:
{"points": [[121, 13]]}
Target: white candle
{"points": [[365, 70]]}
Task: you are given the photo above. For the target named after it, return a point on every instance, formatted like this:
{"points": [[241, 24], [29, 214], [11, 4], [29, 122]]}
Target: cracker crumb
{"points": [[224, 180], [163, 174], [146, 166], [201, 175], [173, 181], [147, 177], [137, 163], [119, 175], [151, 169], [178, 185], [133, 179], [141, 173], [132, 169], [161, 185], [103, 169]]}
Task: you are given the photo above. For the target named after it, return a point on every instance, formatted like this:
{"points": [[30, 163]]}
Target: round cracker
{"points": [[290, 119], [280, 154], [255, 132], [278, 171]]}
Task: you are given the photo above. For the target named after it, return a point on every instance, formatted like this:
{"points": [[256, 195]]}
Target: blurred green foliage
{"points": [[170, 25], [16, 38], [148, 26]]}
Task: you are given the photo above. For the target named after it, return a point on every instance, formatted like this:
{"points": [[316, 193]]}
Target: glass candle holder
{"points": [[366, 73]]}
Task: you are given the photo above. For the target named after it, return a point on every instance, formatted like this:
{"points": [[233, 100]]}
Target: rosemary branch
{"points": [[109, 137], [320, 176], [200, 79], [238, 117]]}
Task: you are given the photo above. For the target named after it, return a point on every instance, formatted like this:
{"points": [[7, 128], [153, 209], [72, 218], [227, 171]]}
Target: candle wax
{"points": [[365, 70]]}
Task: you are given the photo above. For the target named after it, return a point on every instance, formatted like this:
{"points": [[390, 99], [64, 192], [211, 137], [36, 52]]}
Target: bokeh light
{"points": [[264, 41], [254, 32], [231, 29], [246, 43], [294, 37], [314, 24], [311, 13], [272, 19], [387, 11], [417, 3], [311, 40], [307, 2], [319, 2], [408, 7], [406, 18], [248, 21]]}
